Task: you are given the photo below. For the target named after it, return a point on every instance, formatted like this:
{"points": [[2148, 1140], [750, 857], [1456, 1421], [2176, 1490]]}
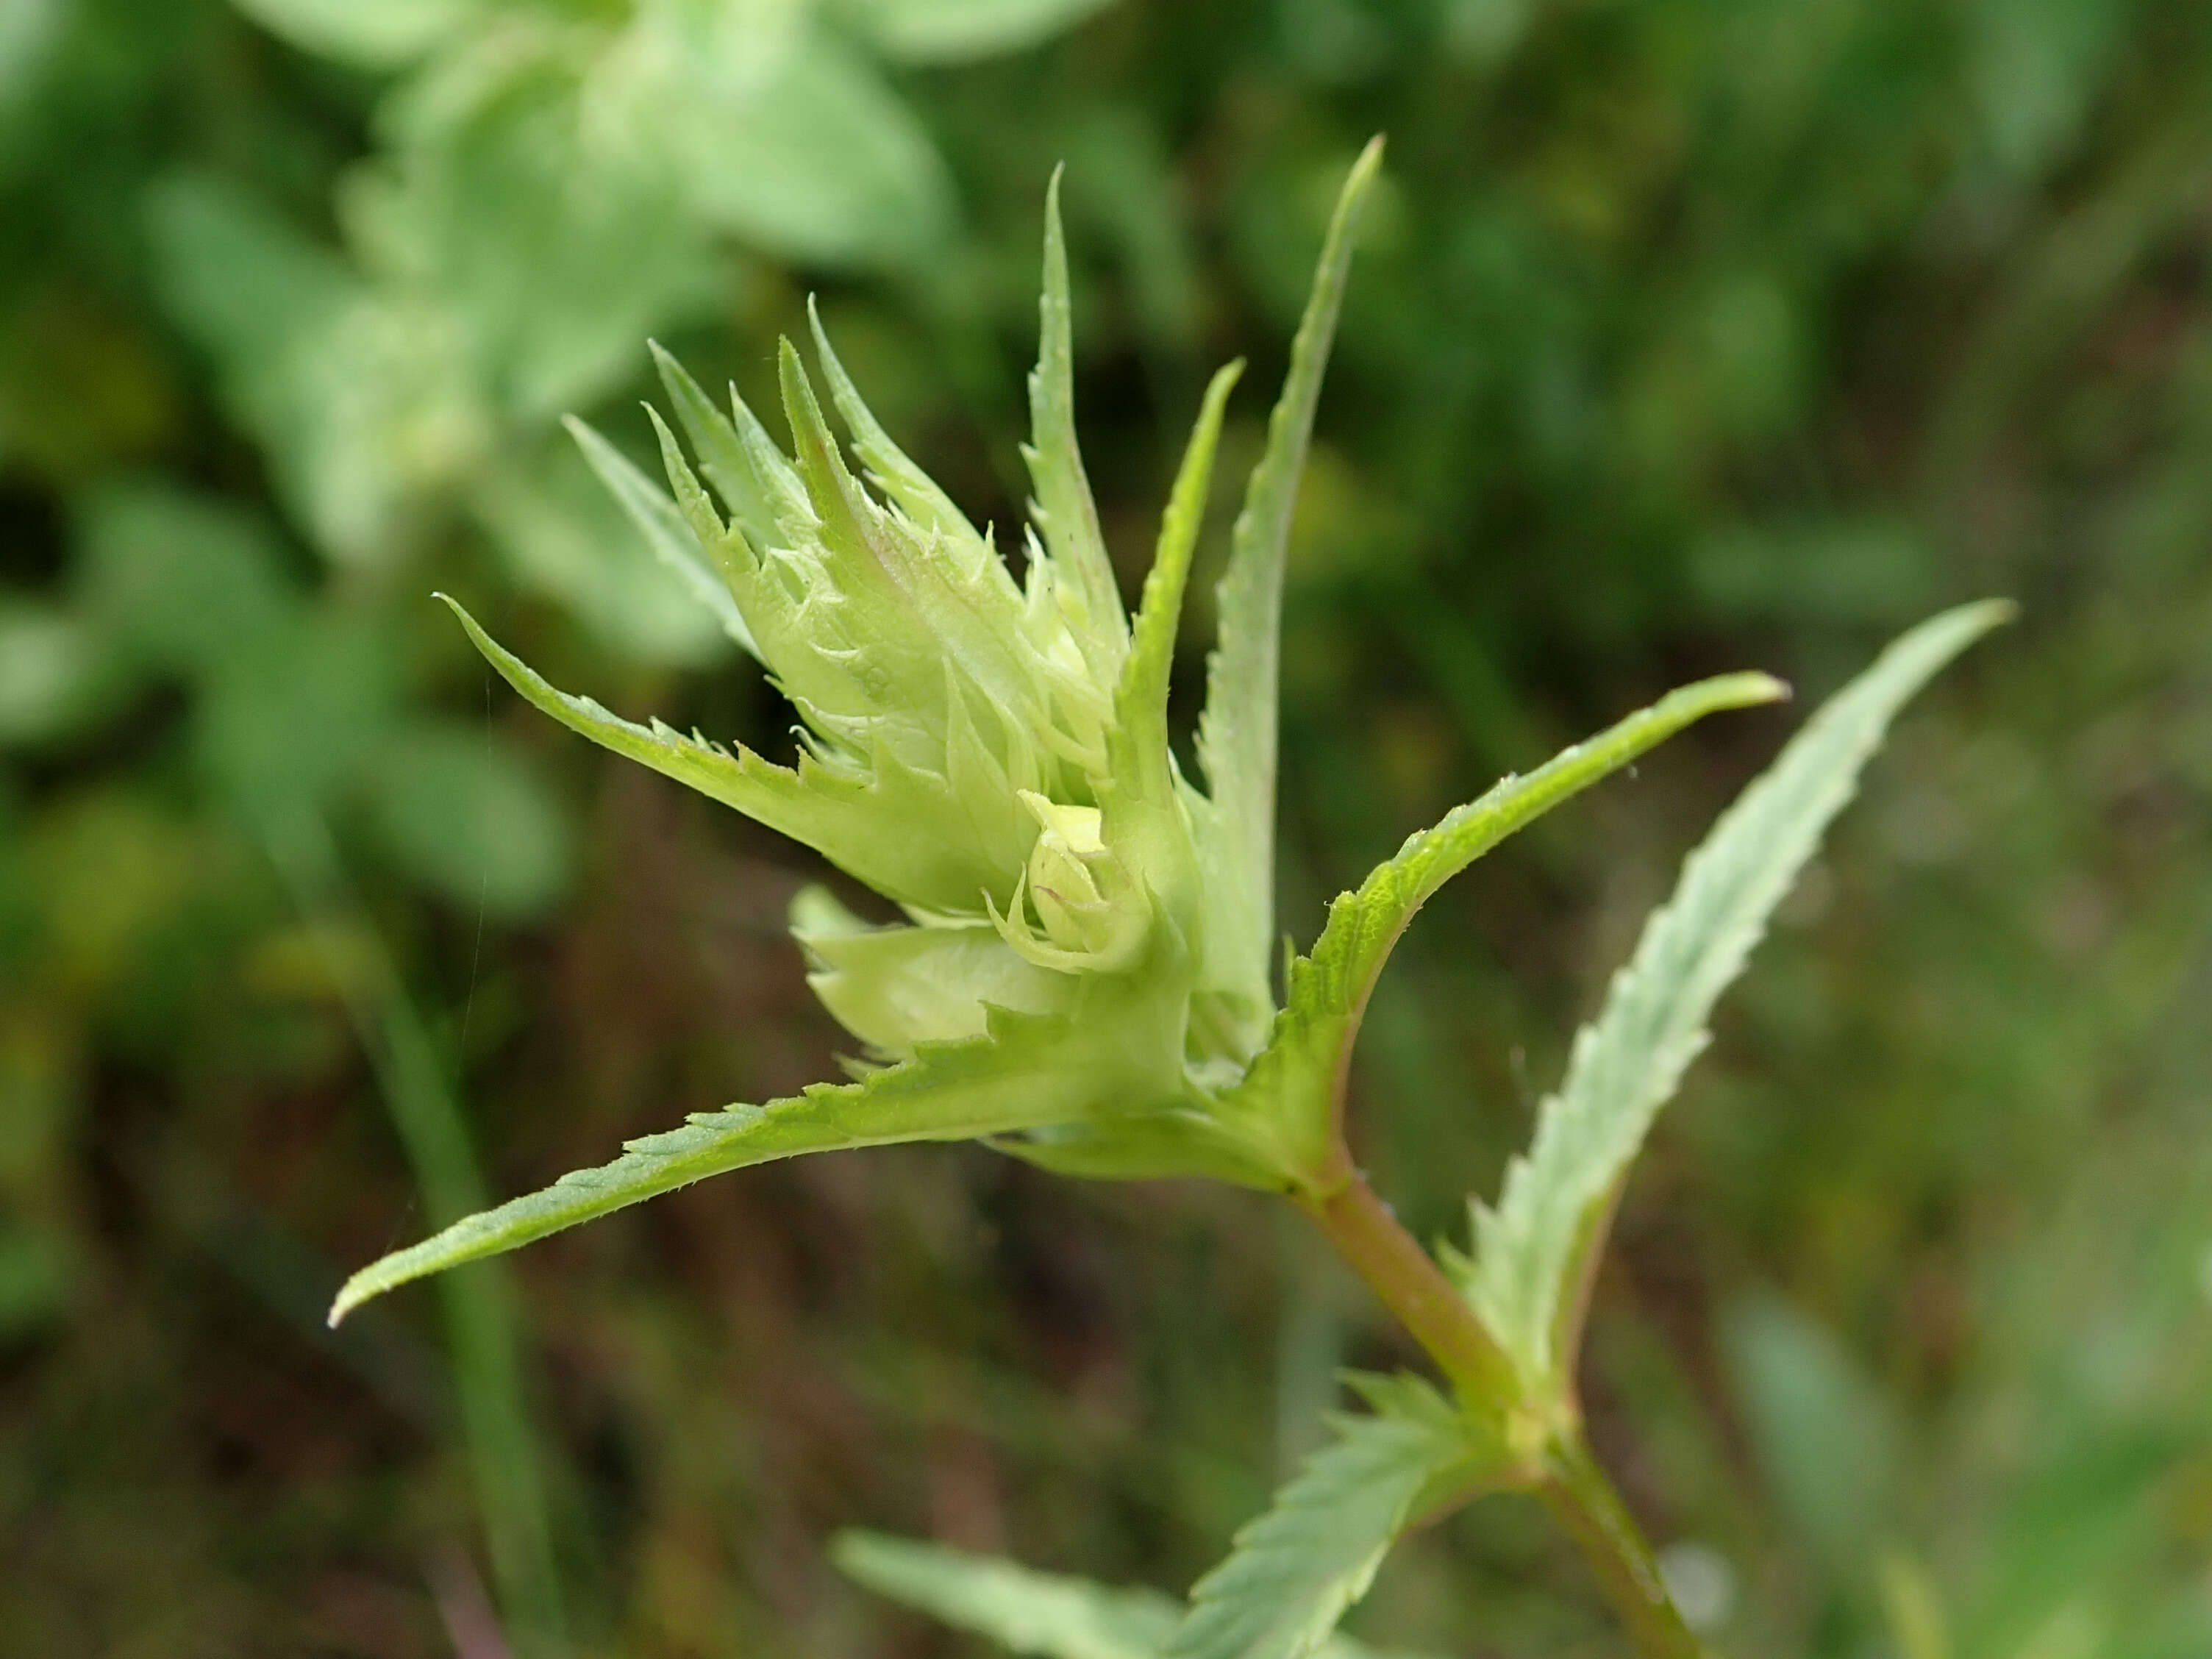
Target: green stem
{"points": [[1577, 1491], [1407, 1280]]}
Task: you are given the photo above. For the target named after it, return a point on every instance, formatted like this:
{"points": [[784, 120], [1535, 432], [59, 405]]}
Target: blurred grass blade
{"points": [[498, 1431], [1292, 1084], [1550, 1220], [1295, 1571]]}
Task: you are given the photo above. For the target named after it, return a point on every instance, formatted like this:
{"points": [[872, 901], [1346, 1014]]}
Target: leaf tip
{"points": [[351, 1295]]}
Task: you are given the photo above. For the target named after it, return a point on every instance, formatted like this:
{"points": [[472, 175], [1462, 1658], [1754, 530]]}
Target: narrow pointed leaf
{"points": [[839, 816], [755, 483], [1295, 1570], [1064, 507], [893, 471], [1140, 714], [1531, 1249], [664, 532], [1291, 1090], [950, 1091], [1238, 732]]}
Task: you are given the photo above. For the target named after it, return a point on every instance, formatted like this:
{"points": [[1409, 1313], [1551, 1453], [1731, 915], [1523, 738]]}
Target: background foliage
{"points": [[1688, 335]]}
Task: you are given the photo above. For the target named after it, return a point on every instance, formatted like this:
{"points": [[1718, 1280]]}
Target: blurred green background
{"points": [[1686, 335]]}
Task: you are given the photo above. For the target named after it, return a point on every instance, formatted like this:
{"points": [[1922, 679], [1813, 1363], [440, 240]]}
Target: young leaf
{"points": [[1063, 508], [1295, 1571], [1236, 733], [892, 469], [1141, 700], [1550, 1220], [1144, 804], [1292, 1087], [1013, 1078]]}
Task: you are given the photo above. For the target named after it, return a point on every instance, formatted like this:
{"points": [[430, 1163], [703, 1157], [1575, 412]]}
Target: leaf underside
{"points": [[1549, 1220]]}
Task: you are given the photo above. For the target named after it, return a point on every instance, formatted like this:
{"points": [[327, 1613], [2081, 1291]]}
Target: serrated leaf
{"points": [[1052, 1615], [840, 815], [893, 469], [1009, 1079], [1295, 1571], [731, 466], [1236, 734], [1293, 1085], [558, 532], [1549, 1221], [664, 532], [1063, 507]]}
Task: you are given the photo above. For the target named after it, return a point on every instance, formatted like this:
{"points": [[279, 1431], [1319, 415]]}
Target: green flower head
{"points": [[992, 754], [1084, 975]]}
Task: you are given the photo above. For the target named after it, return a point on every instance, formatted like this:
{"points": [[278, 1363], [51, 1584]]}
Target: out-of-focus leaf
{"points": [[1826, 570], [1824, 1438], [284, 727], [1052, 1615], [39, 1089], [951, 31], [562, 535], [525, 188], [34, 1280], [458, 809], [2035, 66], [820, 163], [1022, 1610], [107, 869], [1297, 1569], [358, 393], [373, 33], [53, 668], [182, 580]]}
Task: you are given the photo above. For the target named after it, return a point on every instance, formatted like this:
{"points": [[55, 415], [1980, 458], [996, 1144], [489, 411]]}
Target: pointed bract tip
{"points": [[1369, 164]]}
